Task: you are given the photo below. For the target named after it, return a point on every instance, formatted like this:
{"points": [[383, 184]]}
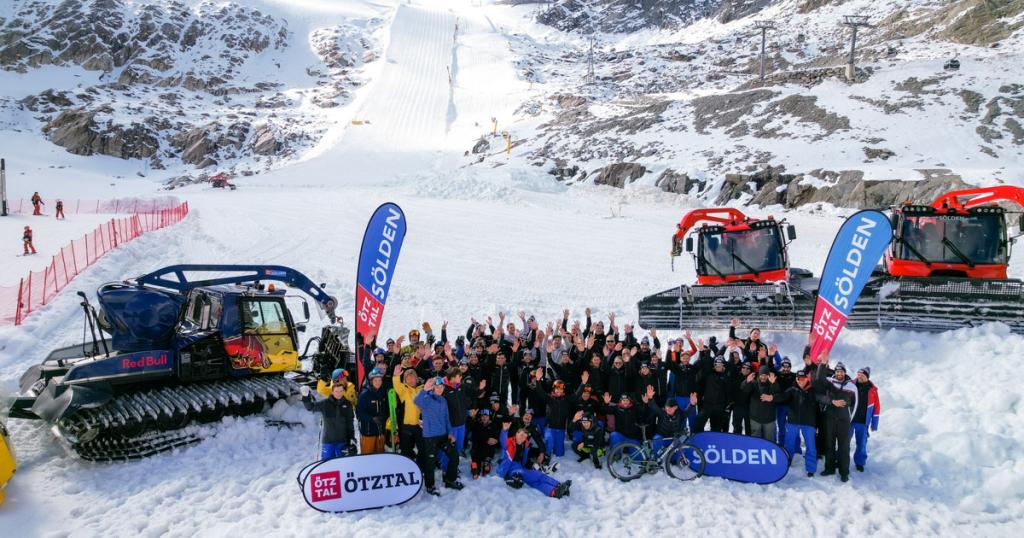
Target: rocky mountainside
{"points": [[178, 82], [676, 101]]}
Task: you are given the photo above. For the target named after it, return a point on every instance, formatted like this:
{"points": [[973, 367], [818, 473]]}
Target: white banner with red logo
{"points": [[360, 482]]}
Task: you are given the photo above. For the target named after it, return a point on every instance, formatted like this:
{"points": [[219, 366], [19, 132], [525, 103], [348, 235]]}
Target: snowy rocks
{"points": [[846, 188], [264, 142], [878, 153], [678, 182], [619, 174], [78, 131]]}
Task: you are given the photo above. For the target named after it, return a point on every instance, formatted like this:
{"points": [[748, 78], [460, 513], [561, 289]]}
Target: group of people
{"points": [[37, 210], [521, 392]]}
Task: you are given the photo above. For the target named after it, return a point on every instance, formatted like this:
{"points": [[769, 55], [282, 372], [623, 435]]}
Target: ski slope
{"points": [[948, 459]]}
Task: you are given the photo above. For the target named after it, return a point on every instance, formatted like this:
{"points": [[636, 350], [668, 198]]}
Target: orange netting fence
{"points": [[116, 206], [40, 287]]}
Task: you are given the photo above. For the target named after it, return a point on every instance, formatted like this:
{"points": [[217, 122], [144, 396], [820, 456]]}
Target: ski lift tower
{"points": [[763, 26], [854, 22]]}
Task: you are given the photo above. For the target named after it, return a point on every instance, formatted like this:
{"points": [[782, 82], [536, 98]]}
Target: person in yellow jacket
{"points": [[410, 434], [338, 376]]}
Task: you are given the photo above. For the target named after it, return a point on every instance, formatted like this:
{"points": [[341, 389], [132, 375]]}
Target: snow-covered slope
{"points": [[687, 100]]}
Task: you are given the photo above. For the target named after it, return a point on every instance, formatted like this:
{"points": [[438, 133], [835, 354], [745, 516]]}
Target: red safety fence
{"points": [[40, 287], [131, 206]]}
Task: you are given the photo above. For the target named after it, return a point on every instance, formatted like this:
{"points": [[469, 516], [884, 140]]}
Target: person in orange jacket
{"points": [[27, 239], [37, 203]]}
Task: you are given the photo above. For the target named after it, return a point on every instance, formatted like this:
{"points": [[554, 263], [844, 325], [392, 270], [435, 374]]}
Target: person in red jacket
{"points": [[27, 239], [60, 209], [37, 203], [866, 416]]}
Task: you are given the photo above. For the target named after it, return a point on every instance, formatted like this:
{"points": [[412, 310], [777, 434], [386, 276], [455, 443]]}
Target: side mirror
{"points": [[791, 232], [689, 244]]}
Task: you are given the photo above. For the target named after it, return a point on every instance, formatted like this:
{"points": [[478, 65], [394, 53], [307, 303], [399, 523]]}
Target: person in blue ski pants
{"points": [[514, 465], [803, 417]]}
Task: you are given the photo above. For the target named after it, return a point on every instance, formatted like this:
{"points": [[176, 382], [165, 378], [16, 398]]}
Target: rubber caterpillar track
{"points": [[139, 424]]}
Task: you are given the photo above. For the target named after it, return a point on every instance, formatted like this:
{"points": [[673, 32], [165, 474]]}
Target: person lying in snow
{"points": [[514, 461]]}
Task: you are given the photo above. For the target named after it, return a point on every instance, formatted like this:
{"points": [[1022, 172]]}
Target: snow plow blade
{"points": [[775, 306], [938, 304]]}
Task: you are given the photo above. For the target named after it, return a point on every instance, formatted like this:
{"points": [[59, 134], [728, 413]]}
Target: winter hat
{"points": [[645, 340], [495, 398], [463, 360], [587, 388], [764, 370], [719, 360], [338, 373], [840, 366], [785, 362], [376, 372], [645, 365], [746, 364], [671, 402], [528, 411], [866, 371], [439, 380], [378, 351], [801, 373], [391, 341], [485, 412]]}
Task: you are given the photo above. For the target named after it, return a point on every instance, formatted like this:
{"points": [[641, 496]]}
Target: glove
{"points": [[304, 391], [515, 481], [352, 450]]}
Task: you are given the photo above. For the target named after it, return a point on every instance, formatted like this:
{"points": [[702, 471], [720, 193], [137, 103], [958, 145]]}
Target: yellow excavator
{"points": [[7, 462]]}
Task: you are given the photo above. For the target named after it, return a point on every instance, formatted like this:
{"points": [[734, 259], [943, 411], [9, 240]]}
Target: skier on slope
{"points": [[26, 238], [60, 210], [37, 203], [513, 468], [337, 436]]}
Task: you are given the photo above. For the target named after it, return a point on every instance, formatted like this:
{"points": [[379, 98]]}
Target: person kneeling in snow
{"points": [[337, 435], [513, 465], [591, 439]]}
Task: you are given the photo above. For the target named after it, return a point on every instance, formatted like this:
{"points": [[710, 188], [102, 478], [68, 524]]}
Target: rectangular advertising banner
{"points": [[858, 247], [378, 256]]}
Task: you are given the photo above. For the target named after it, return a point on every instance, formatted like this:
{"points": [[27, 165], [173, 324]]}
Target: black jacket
{"points": [[372, 411], [338, 419], [592, 438], [457, 405], [673, 425], [803, 406], [558, 409], [763, 412], [713, 385]]}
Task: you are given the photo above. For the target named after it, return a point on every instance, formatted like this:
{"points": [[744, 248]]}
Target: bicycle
{"points": [[680, 460]]}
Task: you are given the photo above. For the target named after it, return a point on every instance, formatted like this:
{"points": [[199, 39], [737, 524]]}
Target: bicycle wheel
{"points": [[627, 461], [685, 462]]}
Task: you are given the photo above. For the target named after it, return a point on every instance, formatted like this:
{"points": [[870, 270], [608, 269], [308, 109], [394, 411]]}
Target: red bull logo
{"points": [[133, 362]]}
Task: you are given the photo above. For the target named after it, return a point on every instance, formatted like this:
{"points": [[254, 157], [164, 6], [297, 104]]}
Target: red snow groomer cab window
{"points": [[753, 251], [953, 242]]}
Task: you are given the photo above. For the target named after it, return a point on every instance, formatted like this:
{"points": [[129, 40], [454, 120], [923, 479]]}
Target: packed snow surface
{"points": [[948, 458]]}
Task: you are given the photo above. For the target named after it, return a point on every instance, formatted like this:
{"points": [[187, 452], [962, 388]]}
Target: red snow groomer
{"points": [[221, 181], [946, 266], [742, 272]]}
